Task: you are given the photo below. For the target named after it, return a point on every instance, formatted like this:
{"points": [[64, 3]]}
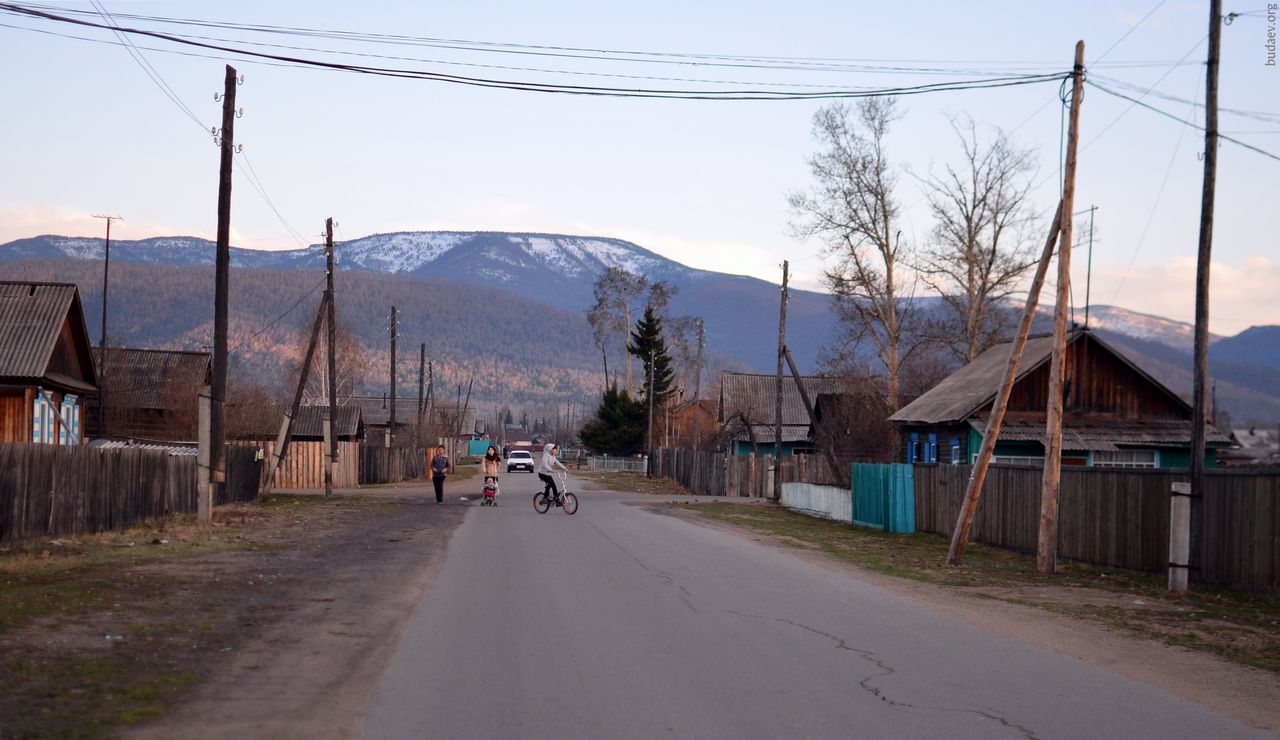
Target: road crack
{"points": [[667, 579], [887, 670]]}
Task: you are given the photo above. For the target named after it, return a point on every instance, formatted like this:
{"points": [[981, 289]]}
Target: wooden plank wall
{"points": [[1116, 517], [391, 464], [304, 463], [717, 474]]}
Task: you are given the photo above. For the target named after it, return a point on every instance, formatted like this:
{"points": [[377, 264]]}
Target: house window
{"points": [[42, 424], [69, 432], [1024, 460], [931, 449], [1125, 459], [955, 450], [913, 448]]}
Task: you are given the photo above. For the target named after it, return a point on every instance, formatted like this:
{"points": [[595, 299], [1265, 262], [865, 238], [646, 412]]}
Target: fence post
{"points": [[1179, 536], [204, 485]]}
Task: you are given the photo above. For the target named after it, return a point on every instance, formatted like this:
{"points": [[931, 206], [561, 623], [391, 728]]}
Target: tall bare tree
{"points": [[851, 207], [610, 316], [981, 243], [354, 365]]}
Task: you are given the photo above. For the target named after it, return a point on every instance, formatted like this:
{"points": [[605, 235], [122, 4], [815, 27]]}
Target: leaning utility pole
{"points": [[391, 427], [777, 398], [222, 268], [1047, 551], [102, 338], [1201, 380], [964, 523], [331, 424], [286, 425], [648, 444]]}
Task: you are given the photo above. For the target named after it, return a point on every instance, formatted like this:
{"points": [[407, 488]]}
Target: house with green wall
{"points": [[1115, 414]]}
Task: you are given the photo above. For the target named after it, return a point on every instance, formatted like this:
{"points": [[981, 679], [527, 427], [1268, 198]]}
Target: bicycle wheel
{"points": [[541, 502], [570, 504]]}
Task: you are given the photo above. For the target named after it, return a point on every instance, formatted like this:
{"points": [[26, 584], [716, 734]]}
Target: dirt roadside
{"points": [[277, 628], [1248, 695]]}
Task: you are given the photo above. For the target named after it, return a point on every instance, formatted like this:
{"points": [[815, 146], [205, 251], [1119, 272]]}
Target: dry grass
{"points": [[631, 483]]}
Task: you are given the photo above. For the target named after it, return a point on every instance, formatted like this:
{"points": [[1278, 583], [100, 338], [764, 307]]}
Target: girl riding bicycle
{"points": [[547, 469]]}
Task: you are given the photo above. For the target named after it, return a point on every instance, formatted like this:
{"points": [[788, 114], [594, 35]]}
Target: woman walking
{"points": [[492, 461], [441, 466]]}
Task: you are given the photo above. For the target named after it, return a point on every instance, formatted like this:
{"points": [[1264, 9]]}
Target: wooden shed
{"points": [[46, 363], [151, 394], [304, 464]]}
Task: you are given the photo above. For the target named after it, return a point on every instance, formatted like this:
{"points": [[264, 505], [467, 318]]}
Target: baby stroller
{"points": [[490, 497]]}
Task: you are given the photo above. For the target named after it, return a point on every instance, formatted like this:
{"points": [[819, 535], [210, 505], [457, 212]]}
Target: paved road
{"points": [[619, 622]]}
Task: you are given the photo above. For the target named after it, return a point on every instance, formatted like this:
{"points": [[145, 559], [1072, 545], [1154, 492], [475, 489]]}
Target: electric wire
{"points": [[279, 318], [1135, 27]]}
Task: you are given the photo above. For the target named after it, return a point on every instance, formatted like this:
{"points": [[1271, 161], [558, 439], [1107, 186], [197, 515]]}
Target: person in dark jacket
{"points": [[441, 466]]}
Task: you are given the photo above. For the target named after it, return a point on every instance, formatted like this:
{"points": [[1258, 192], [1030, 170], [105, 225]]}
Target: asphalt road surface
{"points": [[620, 622]]}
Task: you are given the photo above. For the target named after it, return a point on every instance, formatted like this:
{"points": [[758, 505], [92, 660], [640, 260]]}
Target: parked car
{"points": [[519, 460]]}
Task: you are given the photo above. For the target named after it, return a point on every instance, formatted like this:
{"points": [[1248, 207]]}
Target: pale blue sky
{"points": [[704, 183]]}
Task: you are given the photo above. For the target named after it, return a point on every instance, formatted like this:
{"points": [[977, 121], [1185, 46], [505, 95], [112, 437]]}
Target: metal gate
{"points": [[884, 496]]}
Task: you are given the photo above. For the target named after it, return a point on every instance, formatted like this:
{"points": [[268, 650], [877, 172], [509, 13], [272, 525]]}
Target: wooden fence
{"points": [[48, 490], [718, 474], [1117, 517], [392, 464], [303, 465]]}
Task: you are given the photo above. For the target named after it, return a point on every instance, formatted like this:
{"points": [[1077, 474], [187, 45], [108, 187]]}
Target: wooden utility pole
{"points": [[102, 338], [836, 469], [1200, 383], [777, 400], [332, 370], [222, 269], [431, 383], [697, 386], [648, 445], [286, 425], [964, 523], [422, 377], [1047, 551], [391, 427]]}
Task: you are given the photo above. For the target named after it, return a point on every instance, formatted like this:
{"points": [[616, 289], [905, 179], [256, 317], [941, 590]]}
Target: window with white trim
{"points": [[69, 430], [1025, 460], [1125, 459]]}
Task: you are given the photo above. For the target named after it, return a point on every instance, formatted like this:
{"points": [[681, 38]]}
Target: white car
{"points": [[519, 460]]}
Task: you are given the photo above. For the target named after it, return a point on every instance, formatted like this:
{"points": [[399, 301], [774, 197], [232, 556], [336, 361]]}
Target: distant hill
{"points": [[553, 269], [1257, 345]]}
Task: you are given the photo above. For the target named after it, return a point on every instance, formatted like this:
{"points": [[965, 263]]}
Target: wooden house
{"points": [[1114, 413], [747, 409], [46, 363], [151, 394], [693, 424], [376, 413]]}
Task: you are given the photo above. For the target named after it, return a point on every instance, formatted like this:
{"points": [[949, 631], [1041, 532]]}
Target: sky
{"points": [[705, 183]]}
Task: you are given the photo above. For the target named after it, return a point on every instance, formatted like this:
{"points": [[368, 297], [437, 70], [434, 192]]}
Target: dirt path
{"points": [[1248, 695], [325, 636]]}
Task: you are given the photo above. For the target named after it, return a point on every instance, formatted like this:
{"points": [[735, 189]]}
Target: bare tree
{"points": [[610, 316], [353, 365], [982, 242], [852, 209]]}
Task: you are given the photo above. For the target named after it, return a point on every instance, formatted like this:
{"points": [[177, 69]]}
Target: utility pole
{"points": [[332, 341], [102, 338], [1088, 274], [648, 445], [1200, 383], [1047, 551], [697, 387], [222, 269], [431, 383], [391, 427], [777, 399], [422, 372]]}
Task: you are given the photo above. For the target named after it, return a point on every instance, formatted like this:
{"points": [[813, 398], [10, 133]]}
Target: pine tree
{"points": [[619, 425], [648, 344]]}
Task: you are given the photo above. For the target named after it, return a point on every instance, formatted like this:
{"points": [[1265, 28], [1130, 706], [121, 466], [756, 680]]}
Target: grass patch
{"points": [[632, 482], [1239, 626]]}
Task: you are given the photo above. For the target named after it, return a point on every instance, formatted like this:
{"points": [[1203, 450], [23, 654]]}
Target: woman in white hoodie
{"points": [[547, 469]]}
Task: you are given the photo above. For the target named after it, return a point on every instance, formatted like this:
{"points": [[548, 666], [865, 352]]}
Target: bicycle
{"points": [[542, 501]]}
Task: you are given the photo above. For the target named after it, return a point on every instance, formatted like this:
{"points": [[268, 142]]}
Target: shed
{"points": [[304, 463], [747, 411], [151, 394], [46, 363]]}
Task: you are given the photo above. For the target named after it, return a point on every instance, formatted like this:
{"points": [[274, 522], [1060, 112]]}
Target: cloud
{"points": [[23, 220], [1241, 294]]}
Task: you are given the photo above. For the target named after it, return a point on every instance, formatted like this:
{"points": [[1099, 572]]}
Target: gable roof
{"points": [[31, 318], [755, 397], [310, 422], [154, 378], [968, 390], [377, 410]]}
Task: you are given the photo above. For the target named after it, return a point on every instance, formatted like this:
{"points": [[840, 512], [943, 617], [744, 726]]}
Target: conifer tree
{"points": [[619, 425], [647, 342]]}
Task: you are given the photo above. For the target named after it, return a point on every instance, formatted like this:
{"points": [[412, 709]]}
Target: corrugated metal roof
{"points": [[154, 378], [764, 433], [966, 390], [1113, 436], [377, 410], [31, 316], [754, 396], [310, 422], [174, 450]]}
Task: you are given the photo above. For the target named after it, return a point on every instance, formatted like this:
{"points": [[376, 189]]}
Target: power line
{"points": [[986, 83], [277, 319], [1131, 30]]}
